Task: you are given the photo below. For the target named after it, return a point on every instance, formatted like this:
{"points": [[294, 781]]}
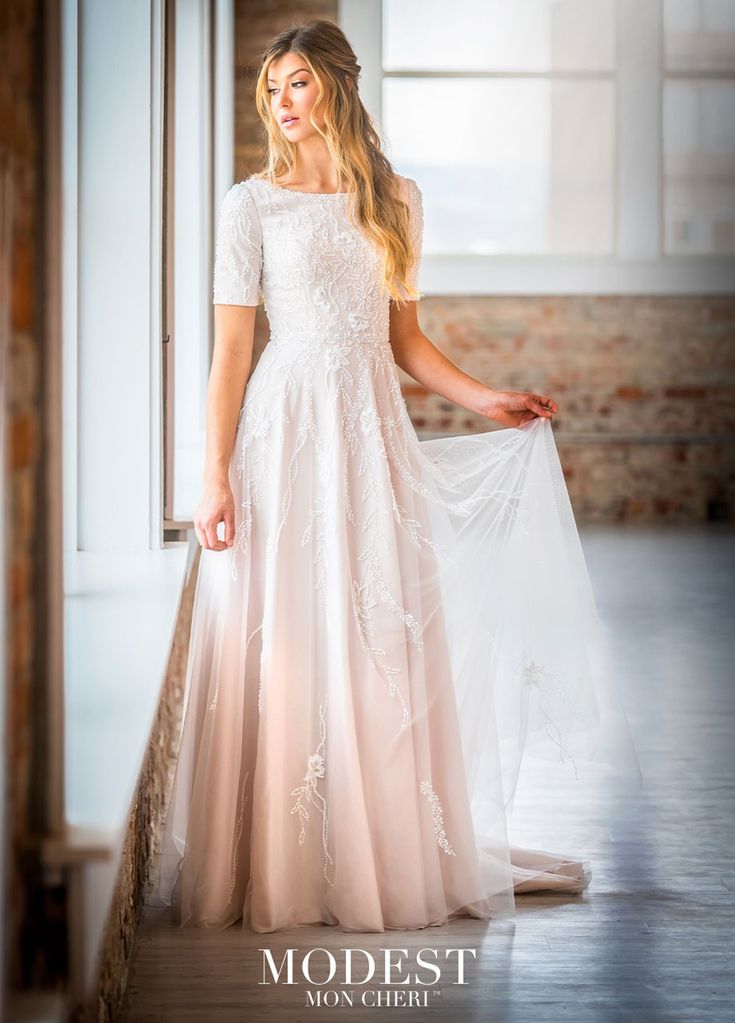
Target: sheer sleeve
{"points": [[411, 194], [238, 260]]}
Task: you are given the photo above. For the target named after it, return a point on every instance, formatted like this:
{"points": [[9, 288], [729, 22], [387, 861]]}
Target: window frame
{"points": [[640, 265]]}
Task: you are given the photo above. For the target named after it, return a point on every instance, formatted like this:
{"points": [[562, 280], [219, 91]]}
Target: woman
{"points": [[385, 626]]}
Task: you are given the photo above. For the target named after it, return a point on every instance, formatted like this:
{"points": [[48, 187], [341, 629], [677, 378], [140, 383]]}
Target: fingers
{"points": [[547, 402], [216, 506], [229, 527], [538, 408], [215, 544], [206, 532], [542, 405]]}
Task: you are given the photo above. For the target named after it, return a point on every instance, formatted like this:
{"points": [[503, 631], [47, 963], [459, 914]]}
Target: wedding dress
{"points": [[398, 626]]}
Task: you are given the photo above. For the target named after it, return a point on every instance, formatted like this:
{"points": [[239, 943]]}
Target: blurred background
{"points": [[577, 161]]}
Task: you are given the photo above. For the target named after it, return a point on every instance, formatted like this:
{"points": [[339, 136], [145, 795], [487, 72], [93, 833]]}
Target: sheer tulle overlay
{"points": [[399, 626]]}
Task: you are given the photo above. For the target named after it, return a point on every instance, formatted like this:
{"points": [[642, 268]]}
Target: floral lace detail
{"points": [[237, 838], [238, 250], [308, 793], [550, 687], [213, 703], [362, 605], [437, 814]]}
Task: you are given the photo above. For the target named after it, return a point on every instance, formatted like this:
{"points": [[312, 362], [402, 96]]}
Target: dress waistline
{"points": [[282, 339]]}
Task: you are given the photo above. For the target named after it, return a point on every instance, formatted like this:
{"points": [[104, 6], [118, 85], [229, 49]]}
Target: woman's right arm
{"points": [[233, 349]]}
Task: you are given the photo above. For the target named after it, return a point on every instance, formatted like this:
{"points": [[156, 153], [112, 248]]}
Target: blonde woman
{"points": [[383, 627]]}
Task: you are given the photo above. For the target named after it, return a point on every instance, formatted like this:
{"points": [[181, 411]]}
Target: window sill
{"points": [[119, 618], [442, 275]]}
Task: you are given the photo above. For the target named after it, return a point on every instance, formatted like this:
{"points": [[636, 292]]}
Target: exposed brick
{"points": [[21, 141], [689, 393], [20, 649], [22, 299], [23, 439], [19, 579]]}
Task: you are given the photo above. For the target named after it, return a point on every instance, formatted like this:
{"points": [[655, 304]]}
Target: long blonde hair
{"points": [[352, 140]]}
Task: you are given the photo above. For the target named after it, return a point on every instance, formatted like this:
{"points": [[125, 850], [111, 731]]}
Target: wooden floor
{"points": [[653, 938]]}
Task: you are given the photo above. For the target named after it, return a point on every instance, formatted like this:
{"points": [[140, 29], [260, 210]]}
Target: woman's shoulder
{"points": [[410, 192], [408, 187], [244, 192], [240, 208]]}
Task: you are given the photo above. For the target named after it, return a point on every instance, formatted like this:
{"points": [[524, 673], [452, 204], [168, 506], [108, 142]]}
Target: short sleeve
{"points": [[411, 194], [238, 259]]}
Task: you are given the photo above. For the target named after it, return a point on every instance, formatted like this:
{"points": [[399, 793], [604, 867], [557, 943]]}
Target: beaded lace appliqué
{"points": [[309, 793], [549, 688], [437, 814]]}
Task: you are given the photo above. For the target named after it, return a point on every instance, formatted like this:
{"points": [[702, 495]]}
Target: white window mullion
{"points": [[639, 179], [223, 106], [69, 287], [362, 23], [158, 19]]}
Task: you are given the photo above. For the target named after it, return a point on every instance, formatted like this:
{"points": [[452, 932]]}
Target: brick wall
{"points": [[23, 476], [644, 384], [645, 388]]}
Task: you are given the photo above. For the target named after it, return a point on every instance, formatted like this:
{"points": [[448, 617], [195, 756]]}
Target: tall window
{"points": [[506, 114], [699, 126], [198, 151], [562, 146], [147, 154]]}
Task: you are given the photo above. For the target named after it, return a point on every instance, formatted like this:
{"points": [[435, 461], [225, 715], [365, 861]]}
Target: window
{"points": [[519, 103], [699, 126], [562, 146], [199, 143], [147, 153]]}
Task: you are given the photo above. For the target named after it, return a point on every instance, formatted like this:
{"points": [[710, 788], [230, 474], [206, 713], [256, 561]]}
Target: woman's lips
{"points": [[291, 120]]}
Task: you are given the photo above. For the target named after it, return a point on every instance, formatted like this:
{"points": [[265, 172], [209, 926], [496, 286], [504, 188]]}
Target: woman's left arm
{"points": [[422, 360]]}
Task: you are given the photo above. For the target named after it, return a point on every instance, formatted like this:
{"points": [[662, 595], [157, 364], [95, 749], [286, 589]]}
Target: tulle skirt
{"points": [[399, 628]]}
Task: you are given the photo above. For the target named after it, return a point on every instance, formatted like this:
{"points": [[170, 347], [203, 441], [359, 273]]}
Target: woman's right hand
{"points": [[216, 505]]}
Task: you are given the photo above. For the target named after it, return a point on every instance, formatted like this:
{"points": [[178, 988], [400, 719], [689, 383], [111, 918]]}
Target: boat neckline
{"points": [[296, 191]]}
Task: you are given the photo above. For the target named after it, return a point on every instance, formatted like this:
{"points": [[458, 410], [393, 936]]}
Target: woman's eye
{"points": [[271, 91]]}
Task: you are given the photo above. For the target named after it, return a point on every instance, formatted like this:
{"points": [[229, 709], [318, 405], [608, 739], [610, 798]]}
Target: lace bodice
{"points": [[318, 274]]}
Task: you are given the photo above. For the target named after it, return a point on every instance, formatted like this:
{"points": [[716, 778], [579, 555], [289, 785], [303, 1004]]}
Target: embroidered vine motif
{"points": [[374, 575], [362, 606], [235, 858], [213, 703], [320, 544], [309, 794], [548, 685], [437, 815]]}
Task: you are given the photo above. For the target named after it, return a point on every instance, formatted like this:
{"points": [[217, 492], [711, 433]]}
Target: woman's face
{"points": [[293, 92]]}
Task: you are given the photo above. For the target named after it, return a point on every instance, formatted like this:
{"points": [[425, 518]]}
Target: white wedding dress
{"points": [[399, 625]]}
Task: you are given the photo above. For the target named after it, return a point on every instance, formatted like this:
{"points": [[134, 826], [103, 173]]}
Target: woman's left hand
{"points": [[514, 408]]}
